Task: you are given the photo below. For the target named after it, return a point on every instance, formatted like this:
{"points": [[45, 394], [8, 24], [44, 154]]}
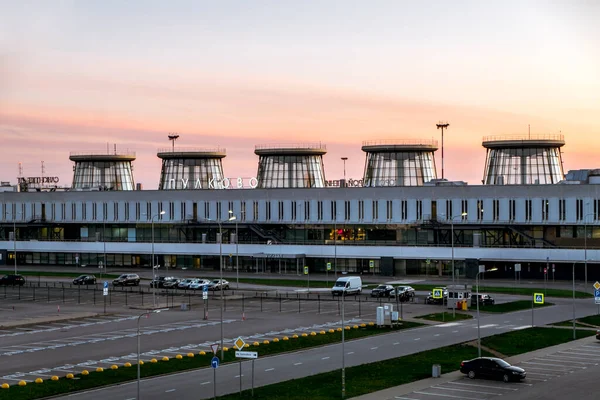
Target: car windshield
{"points": [[82, 276], [401, 288], [124, 276], [340, 284], [215, 281], [502, 363], [381, 287]]}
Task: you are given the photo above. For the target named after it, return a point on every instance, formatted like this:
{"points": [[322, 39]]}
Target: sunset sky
{"points": [[76, 75]]}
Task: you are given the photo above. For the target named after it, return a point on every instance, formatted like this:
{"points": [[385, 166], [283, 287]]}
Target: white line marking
{"points": [[351, 352], [448, 395], [483, 386], [298, 363], [270, 369], [463, 390], [170, 390], [396, 343], [205, 383], [374, 348], [418, 338], [325, 358]]}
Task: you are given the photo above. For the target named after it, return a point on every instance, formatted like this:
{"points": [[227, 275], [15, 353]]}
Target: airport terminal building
{"points": [[398, 220]]}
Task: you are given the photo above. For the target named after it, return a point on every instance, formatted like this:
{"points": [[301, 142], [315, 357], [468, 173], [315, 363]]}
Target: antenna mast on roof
{"points": [[442, 125], [173, 136]]}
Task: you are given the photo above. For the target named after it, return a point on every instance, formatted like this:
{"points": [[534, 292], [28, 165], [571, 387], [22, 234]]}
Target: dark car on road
{"points": [[12, 280], [492, 368], [163, 281], [85, 280], [484, 300], [127, 280], [171, 283], [382, 291]]}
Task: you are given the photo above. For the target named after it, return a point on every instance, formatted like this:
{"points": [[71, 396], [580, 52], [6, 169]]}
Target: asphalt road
{"points": [[198, 384]]}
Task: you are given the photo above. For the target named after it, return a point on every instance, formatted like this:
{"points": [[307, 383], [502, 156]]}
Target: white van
{"points": [[347, 284]]}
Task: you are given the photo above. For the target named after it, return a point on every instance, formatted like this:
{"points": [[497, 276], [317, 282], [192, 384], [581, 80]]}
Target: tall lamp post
{"points": [[232, 218], [138, 346], [237, 250], [585, 244], [152, 263], [343, 345], [452, 238], [103, 242], [573, 272], [344, 159], [478, 324]]}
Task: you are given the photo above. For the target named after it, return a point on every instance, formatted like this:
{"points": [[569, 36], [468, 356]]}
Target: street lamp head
{"points": [[162, 212], [232, 218], [160, 310], [492, 269], [464, 214]]}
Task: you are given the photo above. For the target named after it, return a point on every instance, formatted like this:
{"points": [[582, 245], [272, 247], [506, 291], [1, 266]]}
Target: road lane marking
{"points": [[396, 343], [269, 369], [325, 358], [462, 390], [351, 352], [448, 395], [374, 348], [204, 383], [437, 334], [418, 338], [454, 331], [172, 390], [483, 386], [552, 365], [298, 363]]}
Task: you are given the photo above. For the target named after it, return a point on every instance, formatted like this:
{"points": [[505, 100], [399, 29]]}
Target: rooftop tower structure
{"points": [[103, 171], [405, 162], [290, 165], [523, 159], [191, 168]]}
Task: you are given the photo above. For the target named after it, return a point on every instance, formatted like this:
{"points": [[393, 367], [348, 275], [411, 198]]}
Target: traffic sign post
{"points": [[438, 294], [327, 272], [104, 294], [307, 276], [597, 296], [239, 344], [214, 363], [205, 300], [538, 298], [372, 266]]}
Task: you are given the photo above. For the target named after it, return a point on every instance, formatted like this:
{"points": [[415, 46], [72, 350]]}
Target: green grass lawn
{"points": [[96, 379], [366, 378], [511, 306], [445, 317], [526, 340], [523, 291], [591, 320]]}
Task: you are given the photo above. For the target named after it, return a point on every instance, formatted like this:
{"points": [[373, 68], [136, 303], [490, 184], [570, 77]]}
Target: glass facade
{"points": [[103, 175], [290, 171], [523, 166], [191, 173], [399, 168]]}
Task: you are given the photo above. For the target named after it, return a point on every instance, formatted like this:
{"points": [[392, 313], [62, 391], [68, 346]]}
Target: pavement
{"points": [[419, 386]]}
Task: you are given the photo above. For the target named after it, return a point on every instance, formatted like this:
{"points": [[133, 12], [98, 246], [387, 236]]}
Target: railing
{"points": [[191, 150], [423, 142], [518, 136], [102, 153], [318, 145]]}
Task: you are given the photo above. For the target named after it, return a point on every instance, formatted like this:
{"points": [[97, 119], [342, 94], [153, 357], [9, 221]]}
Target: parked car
{"points": [[431, 300], [127, 280], [382, 291], [12, 280], [347, 285], [484, 300], [171, 283], [218, 284], [198, 284], [184, 284], [598, 334], [492, 368], [85, 280], [405, 292], [160, 281]]}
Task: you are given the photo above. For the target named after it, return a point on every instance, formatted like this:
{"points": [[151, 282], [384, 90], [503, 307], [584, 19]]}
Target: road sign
{"points": [[246, 354], [371, 264], [328, 266], [214, 347], [438, 293], [105, 289], [538, 298], [205, 292], [596, 292], [517, 267], [214, 362], [305, 270], [239, 343], [597, 285], [105, 285]]}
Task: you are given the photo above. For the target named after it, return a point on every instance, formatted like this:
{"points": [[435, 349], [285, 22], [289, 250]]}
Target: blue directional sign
{"points": [[214, 362], [596, 292], [205, 288], [538, 298], [105, 285]]}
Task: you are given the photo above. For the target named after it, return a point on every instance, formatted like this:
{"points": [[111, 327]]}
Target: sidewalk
{"points": [[401, 390]]}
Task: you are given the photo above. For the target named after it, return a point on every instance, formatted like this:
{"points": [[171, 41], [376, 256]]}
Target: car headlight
{"points": [[516, 373]]}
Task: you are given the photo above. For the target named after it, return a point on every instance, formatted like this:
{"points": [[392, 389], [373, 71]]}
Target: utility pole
{"points": [[344, 159], [442, 126]]}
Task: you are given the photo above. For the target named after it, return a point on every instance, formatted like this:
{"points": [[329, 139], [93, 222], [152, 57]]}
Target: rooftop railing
{"points": [[400, 142], [316, 145], [524, 137], [192, 150]]}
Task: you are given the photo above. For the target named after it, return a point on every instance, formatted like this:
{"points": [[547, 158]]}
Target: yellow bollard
{"points": [[70, 376], [5, 386], [22, 383], [165, 358], [39, 380], [85, 372], [179, 356], [127, 365]]}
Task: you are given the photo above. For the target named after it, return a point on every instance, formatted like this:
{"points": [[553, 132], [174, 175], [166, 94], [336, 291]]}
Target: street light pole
{"points": [[103, 242], [344, 159], [152, 263], [585, 245], [477, 298], [237, 251], [138, 347], [15, 241], [343, 346], [573, 272]]}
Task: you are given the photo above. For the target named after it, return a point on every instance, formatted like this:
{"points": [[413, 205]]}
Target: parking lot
{"points": [[539, 370]]}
